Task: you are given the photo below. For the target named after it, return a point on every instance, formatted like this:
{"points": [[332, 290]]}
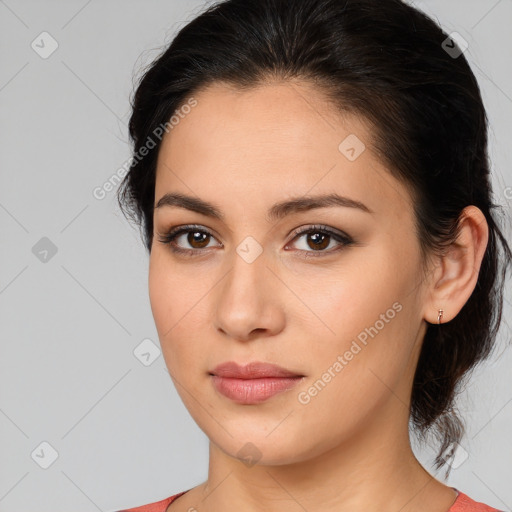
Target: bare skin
{"points": [[347, 447]]}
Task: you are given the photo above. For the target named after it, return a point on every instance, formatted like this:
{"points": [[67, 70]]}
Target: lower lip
{"points": [[253, 391]]}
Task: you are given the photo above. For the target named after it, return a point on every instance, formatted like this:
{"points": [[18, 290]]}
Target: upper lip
{"points": [[253, 370]]}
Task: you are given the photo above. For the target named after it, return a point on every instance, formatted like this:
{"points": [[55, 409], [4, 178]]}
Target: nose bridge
{"points": [[249, 274]]}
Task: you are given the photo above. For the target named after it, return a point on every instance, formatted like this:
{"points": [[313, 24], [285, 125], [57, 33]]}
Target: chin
{"points": [[254, 446]]}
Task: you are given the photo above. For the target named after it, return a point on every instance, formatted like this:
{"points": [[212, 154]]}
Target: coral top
{"points": [[463, 503]]}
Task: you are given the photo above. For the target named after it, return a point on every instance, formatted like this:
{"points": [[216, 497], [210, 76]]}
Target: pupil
{"points": [[316, 240], [196, 237]]}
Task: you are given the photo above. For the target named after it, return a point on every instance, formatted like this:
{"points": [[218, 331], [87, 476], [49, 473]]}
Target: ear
{"points": [[456, 273]]}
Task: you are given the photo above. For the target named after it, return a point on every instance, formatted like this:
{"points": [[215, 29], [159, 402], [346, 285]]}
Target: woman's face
{"points": [[346, 315]]}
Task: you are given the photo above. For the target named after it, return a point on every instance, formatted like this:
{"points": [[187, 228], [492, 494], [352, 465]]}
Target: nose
{"points": [[249, 300]]}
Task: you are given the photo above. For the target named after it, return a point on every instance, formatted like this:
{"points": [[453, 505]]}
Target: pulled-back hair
{"points": [[391, 64]]}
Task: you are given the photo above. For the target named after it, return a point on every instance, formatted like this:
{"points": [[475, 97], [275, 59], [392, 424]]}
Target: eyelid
{"points": [[339, 236], [319, 227], [177, 231]]}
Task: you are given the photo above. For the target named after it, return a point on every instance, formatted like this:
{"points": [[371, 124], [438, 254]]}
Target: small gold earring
{"points": [[439, 316]]}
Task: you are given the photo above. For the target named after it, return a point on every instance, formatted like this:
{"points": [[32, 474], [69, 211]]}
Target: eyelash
{"points": [[345, 241]]}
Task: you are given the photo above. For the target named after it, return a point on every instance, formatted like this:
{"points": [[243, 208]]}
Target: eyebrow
{"points": [[275, 212]]}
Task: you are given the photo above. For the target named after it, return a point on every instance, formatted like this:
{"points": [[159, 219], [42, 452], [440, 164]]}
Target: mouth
{"points": [[253, 383], [253, 370]]}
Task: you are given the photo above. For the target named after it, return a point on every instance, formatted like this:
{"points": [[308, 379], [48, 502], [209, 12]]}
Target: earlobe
{"points": [[459, 268]]}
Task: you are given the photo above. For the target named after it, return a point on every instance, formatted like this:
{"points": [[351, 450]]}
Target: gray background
{"points": [[70, 324]]}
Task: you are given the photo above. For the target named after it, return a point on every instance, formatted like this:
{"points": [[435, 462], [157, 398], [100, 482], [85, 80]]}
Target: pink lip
{"points": [[252, 383], [254, 370]]}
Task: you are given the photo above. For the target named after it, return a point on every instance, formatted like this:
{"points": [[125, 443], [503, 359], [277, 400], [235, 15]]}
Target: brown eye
{"points": [[179, 238], [200, 238], [319, 238]]}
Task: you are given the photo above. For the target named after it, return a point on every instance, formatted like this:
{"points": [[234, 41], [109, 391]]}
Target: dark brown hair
{"points": [[388, 62]]}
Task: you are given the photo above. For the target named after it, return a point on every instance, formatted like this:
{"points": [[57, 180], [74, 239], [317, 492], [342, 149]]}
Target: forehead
{"points": [[276, 139], [289, 114]]}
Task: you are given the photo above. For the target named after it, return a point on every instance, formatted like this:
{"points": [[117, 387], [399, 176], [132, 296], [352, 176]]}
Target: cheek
{"points": [[356, 369], [161, 293], [167, 298], [175, 298], [171, 292], [369, 304]]}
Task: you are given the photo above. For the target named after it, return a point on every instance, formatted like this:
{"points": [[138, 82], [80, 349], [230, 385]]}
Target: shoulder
{"points": [[158, 506], [464, 503]]}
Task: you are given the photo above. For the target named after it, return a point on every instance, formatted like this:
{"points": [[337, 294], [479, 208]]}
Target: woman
{"points": [[312, 183]]}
